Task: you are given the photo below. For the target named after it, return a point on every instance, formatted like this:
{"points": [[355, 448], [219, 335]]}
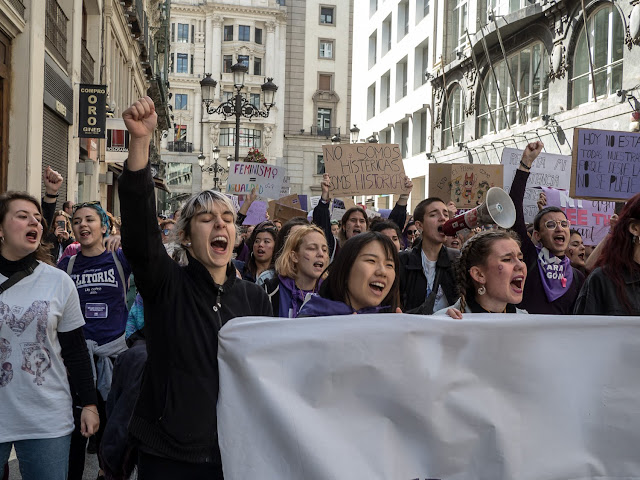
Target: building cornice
{"points": [[223, 10]]}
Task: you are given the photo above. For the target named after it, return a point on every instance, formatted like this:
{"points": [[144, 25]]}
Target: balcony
{"points": [[180, 147], [324, 132], [86, 64], [56, 32]]}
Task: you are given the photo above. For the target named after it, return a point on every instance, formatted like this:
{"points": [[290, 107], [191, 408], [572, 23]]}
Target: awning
{"points": [[159, 182]]}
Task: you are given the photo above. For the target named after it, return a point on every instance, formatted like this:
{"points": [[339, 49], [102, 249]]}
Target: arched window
{"points": [[453, 115], [606, 42], [530, 70]]}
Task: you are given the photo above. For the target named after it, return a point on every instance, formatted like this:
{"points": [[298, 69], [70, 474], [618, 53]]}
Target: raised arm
{"points": [[52, 181], [399, 212], [321, 215]]}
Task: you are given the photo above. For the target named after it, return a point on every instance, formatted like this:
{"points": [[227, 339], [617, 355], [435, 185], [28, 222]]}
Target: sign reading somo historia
{"points": [[364, 169]]}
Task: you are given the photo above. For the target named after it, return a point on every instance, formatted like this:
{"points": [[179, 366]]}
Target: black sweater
{"points": [[184, 309]]}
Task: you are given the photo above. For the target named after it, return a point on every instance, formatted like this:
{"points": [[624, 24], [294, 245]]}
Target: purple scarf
{"points": [[556, 273]]}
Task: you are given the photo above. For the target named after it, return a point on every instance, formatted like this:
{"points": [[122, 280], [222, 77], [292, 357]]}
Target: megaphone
{"points": [[497, 208]]}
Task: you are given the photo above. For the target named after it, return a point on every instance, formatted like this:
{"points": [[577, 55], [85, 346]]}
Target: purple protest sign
{"points": [[303, 202], [384, 212], [257, 213], [589, 217]]}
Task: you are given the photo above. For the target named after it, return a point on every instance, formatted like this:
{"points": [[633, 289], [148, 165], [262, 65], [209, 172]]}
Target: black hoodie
{"points": [[184, 309]]}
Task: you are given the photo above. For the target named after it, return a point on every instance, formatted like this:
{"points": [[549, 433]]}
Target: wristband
{"points": [[524, 165], [48, 195]]}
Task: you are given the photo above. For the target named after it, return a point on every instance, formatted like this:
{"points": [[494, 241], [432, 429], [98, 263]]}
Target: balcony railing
{"points": [[324, 132], [18, 5], [180, 147], [86, 64], [56, 31]]}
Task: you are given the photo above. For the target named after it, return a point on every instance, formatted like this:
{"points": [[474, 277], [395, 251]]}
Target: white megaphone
{"points": [[497, 208]]}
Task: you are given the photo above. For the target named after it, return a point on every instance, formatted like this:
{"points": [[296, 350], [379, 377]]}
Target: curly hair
{"points": [[42, 252], [475, 251], [617, 254]]}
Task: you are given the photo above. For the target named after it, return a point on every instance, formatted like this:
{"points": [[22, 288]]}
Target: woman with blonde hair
{"points": [[299, 270]]}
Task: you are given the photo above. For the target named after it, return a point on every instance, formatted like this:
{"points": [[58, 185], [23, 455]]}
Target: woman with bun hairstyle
{"points": [[490, 275]]}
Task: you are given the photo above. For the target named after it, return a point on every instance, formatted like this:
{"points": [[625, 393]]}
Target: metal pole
{"points": [[586, 34], [484, 93], [495, 78], [238, 114], [504, 55]]}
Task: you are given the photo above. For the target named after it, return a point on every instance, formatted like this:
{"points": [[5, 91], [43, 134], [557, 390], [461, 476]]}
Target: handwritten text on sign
{"points": [[362, 169], [589, 217], [606, 164], [548, 170], [245, 176]]}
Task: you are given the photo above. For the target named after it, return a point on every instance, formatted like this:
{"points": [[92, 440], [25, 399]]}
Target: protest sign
{"points": [[338, 213], [245, 176], [314, 201], [304, 202], [285, 212], [371, 213], [606, 164], [234, 200], [286, 186], [548, 170], [391, 396], [289, 201], [256, 213], [589, 217], [463, 183], [364, 169], [385, 212]]}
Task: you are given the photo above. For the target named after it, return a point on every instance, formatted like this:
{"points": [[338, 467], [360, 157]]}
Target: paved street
{"points": [[90, 468]]}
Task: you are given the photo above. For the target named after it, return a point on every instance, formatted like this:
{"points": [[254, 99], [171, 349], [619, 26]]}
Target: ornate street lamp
{"points": [[214, 168], [355, 133]]}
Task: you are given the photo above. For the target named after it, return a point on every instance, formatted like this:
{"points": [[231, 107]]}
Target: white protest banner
{"points": [[606, 164], [338, 213], [548, 170], [245, 176], [589, 217], [286, 186], [234, 200], [405, 397]]}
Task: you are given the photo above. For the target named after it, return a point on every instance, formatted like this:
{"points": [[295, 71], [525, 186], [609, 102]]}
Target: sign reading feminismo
{"points": [[264, 178], [92, 114]]}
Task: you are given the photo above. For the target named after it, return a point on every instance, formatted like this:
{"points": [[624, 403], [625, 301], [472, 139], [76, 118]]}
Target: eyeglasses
{"points": [[412, 232], [78, 206], [552, 224]]}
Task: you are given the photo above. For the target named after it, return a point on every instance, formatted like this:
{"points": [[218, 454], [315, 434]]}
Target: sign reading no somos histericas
{"points": [[264, 178], [365, 168]]}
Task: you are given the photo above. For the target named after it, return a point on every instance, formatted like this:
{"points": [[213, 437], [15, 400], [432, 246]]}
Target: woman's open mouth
{"points": [[219, 244], [32, 236], [377, 287], [517, 284]]}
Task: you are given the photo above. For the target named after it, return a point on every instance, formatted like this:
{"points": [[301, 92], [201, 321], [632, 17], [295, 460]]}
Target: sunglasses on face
{"points": [[552, 224], [77, 206], [412, 232]]}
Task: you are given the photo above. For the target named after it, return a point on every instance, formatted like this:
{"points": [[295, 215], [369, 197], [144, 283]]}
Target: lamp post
{"points": [[355, 133], [238, 105], [213, 168]]}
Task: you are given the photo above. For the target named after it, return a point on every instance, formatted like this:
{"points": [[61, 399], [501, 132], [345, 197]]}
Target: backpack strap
{"points": [[16, 277], [121, 272], [72, 260]]}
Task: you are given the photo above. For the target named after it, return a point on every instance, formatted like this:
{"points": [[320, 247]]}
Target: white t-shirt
{"points": [[429, 269], [35, 398]]}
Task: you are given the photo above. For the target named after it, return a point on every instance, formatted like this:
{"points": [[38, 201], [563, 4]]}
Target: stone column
{"points": [[270, 48], [208, 44], [216, 47]]}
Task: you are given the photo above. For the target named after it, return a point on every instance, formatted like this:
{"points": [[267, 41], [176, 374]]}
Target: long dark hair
{"points": [[475, 251], [345, 219], [617, 253], [270, 228], [335, 287], [42, 252]]}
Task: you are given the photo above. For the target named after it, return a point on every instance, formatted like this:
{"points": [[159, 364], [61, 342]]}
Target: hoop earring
{"points": [[636, 239], [482, 290]]}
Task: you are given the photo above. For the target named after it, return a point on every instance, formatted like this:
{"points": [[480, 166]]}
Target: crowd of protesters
{"points": [[139, 373]]}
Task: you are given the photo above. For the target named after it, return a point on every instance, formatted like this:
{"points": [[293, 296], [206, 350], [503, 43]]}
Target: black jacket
{"points": [[413, 283], [599, 295], [184, 309]]}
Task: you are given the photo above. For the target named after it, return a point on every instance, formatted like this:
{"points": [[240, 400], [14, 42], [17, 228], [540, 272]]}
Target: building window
{"points": [[606, 38], [401, 79], [459, 21], [183, 63], [181, 101], [258, 34], [226, 96], [530, 71], [326, 15], [228, 33], [403, 19], [371, 101], [373, 44], [244, 33], [173, 32], [244, 60], [326, 49], [385, 91], [404, 139], [254, 99], [421, 64], [193, 33], [180, 133], [257, 66], [324, 121], [386, 35], [191, 66], [227, 61], [248, 137], [453, 115], [183, 33], [422, 9], [324, 82], [504, 7], [319, 165], [373, 7], [178, 174]]}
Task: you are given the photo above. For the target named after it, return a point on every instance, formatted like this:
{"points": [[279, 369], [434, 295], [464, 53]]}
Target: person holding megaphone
{"points": [[553, 284]]}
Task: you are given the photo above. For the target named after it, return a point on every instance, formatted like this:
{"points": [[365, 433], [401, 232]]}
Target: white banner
{"points": [[403, 397], [548, 170], [265, 178]]}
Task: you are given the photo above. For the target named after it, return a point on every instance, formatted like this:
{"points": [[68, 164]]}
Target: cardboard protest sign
{"points": [[256, 213], [606, 164], [589, 217], [548, 170], [463, 183], [401, 397], [284, 213], [364, 169], [266, 179], [290, 201]]}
